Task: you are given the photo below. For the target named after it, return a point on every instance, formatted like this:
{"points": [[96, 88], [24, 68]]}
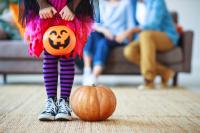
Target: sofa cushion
{"points": [[116, 55], [121, 68], [24, 66], [14, 50], [173, 56], [20, 66]]}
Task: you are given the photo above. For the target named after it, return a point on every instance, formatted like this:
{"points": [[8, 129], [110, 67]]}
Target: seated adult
{"points": [[116, 16], [157, 33]]}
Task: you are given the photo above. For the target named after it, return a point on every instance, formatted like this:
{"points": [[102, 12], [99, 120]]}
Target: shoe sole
{"points": [[49, 118], [143, 87], [46, 119], [63, 118]]}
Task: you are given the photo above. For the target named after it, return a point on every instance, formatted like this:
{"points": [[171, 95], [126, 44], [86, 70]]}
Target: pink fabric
{"points": [[36, 28], [58, 4]]}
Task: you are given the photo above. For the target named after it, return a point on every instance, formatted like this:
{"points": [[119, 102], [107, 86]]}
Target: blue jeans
{"points": [[98, 47]]}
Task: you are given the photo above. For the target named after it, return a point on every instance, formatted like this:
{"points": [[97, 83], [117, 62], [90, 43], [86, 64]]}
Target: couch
{"points": [[14, 59]]}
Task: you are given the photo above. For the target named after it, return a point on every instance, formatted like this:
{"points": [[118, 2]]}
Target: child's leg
{"points": [[66, 82], [66, 76], [66, 79], [50, 71]]}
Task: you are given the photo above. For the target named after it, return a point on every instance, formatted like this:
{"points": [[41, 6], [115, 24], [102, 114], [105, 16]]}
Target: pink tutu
{"points": [[36, 28]]}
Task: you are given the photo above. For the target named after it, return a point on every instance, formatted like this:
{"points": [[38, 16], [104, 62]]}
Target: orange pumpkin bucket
{"points": [[59, 40]]}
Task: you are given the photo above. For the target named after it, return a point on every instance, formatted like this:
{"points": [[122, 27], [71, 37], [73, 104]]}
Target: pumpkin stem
{"points": [[93, 85]]}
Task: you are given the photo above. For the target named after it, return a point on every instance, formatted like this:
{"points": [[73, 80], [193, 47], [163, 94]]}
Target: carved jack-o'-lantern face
{"points": [[59, 40]]}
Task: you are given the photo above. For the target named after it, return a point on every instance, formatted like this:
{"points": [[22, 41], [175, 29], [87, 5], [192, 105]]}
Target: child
{"points": [[38, 16]]}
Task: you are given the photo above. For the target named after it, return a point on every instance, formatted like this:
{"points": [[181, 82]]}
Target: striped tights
{"points": [[50, 72]]}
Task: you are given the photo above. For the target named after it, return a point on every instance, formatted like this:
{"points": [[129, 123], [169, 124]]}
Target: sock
{"points": [[67, 72], [94, 79], [87, 71], [50, 73]]}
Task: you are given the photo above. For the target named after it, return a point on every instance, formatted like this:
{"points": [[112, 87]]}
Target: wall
{"points": [[189, 16]]}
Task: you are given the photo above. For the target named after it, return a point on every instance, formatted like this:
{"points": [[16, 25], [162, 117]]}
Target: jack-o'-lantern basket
{"points": [[59, 40]]}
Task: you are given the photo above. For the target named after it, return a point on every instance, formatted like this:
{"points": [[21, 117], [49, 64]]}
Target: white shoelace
{"points": [[64, 106], [49, 105]]}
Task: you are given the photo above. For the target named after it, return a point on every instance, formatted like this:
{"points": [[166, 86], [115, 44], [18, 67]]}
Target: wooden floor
{"points": [[158, 111]]}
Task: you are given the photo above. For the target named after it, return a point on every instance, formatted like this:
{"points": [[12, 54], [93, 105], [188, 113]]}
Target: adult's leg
{"points": [[67, 72], [151, 42], [89, 52], [132, 52], [101, 55], [50, 73], [90, 47]]}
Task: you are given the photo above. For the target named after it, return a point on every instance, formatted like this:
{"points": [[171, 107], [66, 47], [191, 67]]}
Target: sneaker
{"points": [[89, 80], [149, 85], [64, 110], [169, 74], [50, 110], [145, 87]]}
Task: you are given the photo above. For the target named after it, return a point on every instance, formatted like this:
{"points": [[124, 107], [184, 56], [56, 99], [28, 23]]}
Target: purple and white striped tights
{"points": [[50, 72]]}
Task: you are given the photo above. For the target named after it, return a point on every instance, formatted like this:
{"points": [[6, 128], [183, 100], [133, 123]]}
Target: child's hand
{"points": [[67, 14], [47, 12]]}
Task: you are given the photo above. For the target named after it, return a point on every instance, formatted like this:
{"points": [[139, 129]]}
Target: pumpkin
{"points": [[59, 40], [93, 103]]}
